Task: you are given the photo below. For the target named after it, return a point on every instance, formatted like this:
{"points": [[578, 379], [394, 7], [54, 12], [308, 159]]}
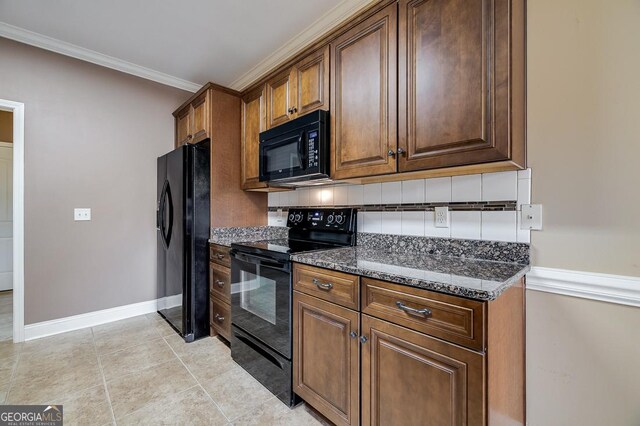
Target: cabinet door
{"points": [[253, 122], [312, 82], [326, 358], [280, 98], [200, 120], [363, 98], [449, 71], [410, 378], [183, 126]]}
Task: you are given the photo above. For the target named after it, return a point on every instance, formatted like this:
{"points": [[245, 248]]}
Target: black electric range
{"points": [[262, 292]]}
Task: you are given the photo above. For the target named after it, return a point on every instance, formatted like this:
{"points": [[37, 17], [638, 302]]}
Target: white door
{"points": [[6, 216]]}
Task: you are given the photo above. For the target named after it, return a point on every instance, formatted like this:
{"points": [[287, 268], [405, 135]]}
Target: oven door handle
{"points": [[260, 260]]}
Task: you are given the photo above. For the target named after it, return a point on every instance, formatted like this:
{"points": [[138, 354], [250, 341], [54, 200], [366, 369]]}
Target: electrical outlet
{"points": [[442, 217], [81, 214]]}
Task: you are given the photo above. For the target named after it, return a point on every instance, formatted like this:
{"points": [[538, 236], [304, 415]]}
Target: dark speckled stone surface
{"points": [[227, 236], [472, 278]]}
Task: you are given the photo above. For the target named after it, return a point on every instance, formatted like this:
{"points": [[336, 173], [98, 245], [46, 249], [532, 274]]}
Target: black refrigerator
{"points": [[183, 234]]}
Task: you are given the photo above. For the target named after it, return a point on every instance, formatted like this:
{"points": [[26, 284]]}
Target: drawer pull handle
{"points": [[322, 286], [220, 256], [220, 283], [426, 312], [219, 318]]}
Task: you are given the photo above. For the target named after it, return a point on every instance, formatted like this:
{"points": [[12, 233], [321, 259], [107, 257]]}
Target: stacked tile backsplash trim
{"points": [[482, 206], [226, 236], [496, 251]]}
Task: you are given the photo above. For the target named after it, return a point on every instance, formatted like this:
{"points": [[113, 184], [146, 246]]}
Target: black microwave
{"points": [[296, 152]]}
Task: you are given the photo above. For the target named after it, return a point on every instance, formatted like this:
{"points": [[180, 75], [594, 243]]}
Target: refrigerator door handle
{"points": [[167, 238], [166, 233]]}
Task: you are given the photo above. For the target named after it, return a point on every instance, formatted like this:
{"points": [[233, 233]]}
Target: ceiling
{"points": [[192, 41]]}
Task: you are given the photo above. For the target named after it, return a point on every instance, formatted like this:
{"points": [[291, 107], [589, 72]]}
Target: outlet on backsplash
{"points": [[442, 217]]}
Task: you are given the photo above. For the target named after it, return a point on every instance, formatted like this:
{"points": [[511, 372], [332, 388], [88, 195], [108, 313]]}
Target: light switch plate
{"points": [[442, 217], [531, 217], [81, 214]]}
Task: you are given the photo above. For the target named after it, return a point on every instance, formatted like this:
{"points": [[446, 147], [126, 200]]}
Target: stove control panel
{"points": [[323, 219]]}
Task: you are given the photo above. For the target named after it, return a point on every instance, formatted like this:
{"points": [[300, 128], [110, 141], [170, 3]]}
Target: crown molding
{"points": [[330, 20], [623, 290], [44, 42]]}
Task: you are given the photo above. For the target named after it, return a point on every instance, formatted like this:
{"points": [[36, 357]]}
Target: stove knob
{"points": [[330, 219], [340, 219], [291, 217], [298, 217]]}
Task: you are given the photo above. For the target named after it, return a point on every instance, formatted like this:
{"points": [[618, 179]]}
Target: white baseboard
{"points": [[619, 289], [90, 319]]}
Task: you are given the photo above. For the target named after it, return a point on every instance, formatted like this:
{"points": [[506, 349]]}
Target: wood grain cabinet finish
{"points": [[220, 317], [300, 89], [192, 122], [220, 254], [253, 122], [409, 378], [326, 358], [220, 282], [461, 83], [452, 318], [364, 97], [333, 286]]}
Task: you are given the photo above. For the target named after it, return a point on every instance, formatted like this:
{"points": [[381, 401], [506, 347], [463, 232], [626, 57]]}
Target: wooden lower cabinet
{"points": [[410, 378], [326, 358]]}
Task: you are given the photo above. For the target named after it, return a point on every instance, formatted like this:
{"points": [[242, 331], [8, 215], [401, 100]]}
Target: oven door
{"points": [[284, 156], [261, 299]]}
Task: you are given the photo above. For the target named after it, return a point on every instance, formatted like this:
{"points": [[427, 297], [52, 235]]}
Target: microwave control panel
{"points": [[312, 149]]}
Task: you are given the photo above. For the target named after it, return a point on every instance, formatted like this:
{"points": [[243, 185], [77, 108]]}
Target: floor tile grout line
{"points": [[197, 381], [104, 380], [157, 402]]}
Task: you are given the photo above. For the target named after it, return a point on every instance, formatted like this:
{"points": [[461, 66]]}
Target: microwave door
{"points": [[283, 157]]}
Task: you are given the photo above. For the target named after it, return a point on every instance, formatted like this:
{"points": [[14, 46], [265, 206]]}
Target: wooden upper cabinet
{"points": [[326, 362], [312, 82], [410, 378], [192, 122], [253, 122], [364, 96], [280, 99], [183, 126], [200, 122], [455, 78], [300, 89]]}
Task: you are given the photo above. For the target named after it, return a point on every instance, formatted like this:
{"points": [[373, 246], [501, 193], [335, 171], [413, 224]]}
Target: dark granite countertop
{"points": [[227, 236], [472, 278]]}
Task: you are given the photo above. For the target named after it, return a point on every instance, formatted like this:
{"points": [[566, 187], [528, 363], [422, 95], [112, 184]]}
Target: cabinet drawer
{"points": [[448, 317], [220, 255], [333, 286], [220, 317], [220, 281]]}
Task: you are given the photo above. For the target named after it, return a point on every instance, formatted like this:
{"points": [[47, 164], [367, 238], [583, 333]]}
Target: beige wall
{"points": [[92, 136], [584, 132], [584, 149], [6, 126]]}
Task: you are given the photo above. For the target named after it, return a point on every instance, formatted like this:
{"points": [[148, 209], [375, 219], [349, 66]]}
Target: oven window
{"points": [[258, 295], [283, 157]]}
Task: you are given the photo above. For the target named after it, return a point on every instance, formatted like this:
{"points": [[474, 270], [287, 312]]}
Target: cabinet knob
{"points": [[353, 334], [363, 339], [189, 137], [401, 151], [294, 109], [220, 256], [219, 318], [220, 283], [390, 153]]}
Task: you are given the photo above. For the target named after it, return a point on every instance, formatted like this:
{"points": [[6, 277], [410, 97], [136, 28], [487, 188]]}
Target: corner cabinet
{"points": [[363, 97], [299, 90], [406, 355], [253, 122], [461, 83]]}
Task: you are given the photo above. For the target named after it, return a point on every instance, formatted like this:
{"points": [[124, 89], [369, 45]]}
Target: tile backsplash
{"points": [[484, 206]]}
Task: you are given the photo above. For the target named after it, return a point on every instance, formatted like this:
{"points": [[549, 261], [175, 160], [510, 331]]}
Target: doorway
{"points": [[6, 225], [11, 221]]}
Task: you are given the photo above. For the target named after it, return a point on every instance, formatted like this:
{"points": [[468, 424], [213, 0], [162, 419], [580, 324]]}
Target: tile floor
{"points": [[139, 371], [6, 315]]}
